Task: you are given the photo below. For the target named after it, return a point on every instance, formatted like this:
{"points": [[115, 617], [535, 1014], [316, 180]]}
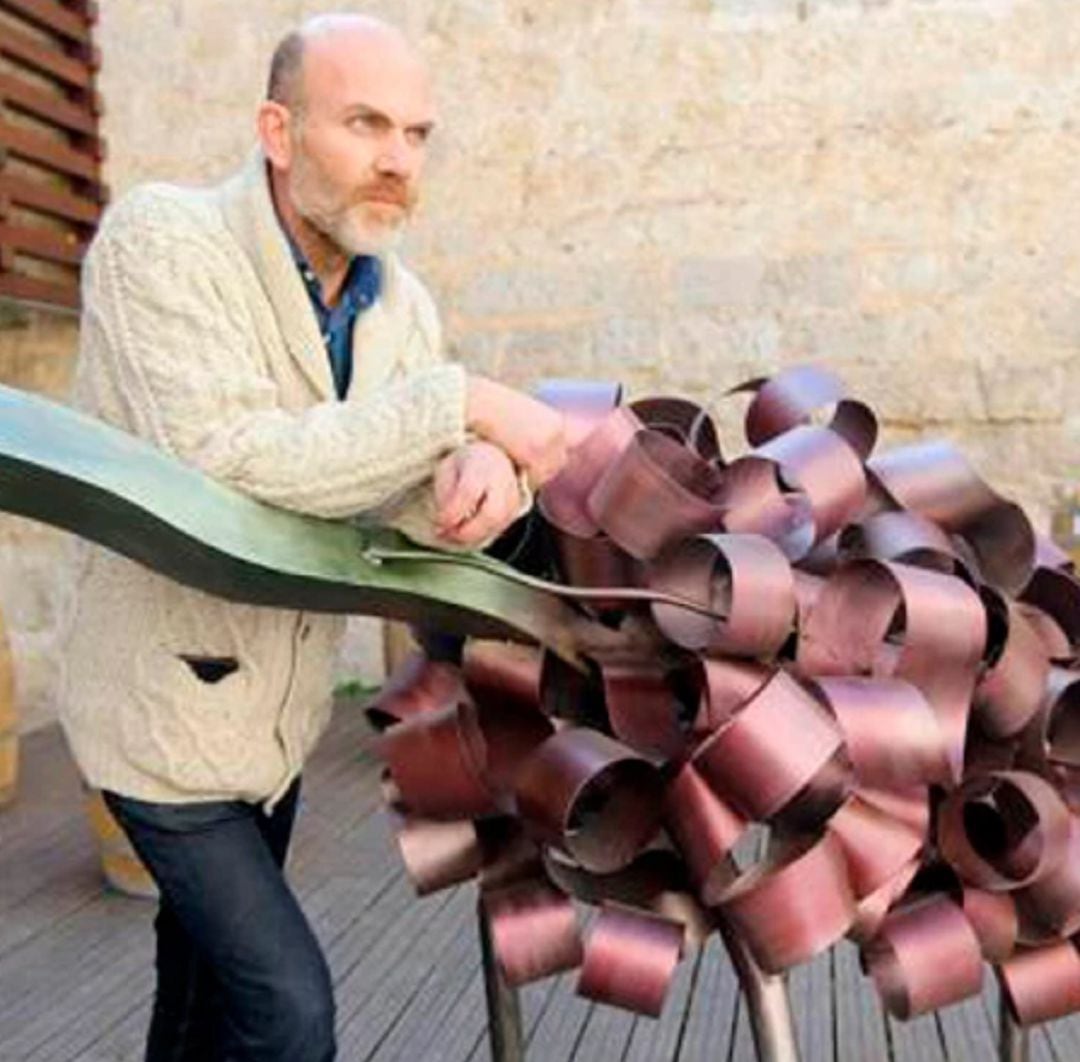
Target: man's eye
{"points": [[418, 136]]}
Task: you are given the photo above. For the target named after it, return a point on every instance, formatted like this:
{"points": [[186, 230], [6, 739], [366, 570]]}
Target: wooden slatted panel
{"points": [[78, 117], [51, 189], [31, 289], [47, 199], [42, 244], [72, 24], [47, 60], [47, 151]]}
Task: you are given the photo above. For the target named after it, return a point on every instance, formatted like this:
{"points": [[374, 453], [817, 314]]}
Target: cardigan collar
{"points": [[250, 215]]}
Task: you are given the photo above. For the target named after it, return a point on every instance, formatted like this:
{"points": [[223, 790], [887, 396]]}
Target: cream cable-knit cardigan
{"points": [[197, 334]]}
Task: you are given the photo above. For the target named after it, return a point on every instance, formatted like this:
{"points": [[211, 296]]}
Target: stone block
{"points": [[819, 281], [1025, 393], [721, 283]]}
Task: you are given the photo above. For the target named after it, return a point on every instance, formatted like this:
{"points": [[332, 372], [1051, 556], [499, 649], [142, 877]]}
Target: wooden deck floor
{"points": [[75, 958]]}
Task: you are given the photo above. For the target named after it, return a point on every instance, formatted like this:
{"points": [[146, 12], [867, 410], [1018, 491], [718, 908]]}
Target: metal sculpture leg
{"points": [[504, 1011], [1013, 1040], [766, 1002]]}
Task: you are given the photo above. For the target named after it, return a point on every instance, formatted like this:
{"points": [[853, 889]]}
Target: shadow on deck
{"points": [[75, 958]]}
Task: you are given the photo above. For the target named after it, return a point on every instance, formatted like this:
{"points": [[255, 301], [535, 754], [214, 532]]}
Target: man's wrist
{"points": [[478, 398]]}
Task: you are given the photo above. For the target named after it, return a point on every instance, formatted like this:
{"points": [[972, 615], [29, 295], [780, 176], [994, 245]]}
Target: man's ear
{"points": [[273, 125]]}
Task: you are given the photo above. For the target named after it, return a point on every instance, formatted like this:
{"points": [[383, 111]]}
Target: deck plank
{"points": [[860, 1023], [810, 989], [710, 1023], [966, 1030], [662, 1038]]}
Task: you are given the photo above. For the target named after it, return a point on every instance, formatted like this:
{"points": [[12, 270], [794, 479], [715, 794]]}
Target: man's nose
{"points": [[397, 157]]}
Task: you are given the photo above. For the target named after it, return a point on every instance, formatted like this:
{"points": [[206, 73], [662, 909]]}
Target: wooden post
{"points": [[504, 1011], [1013, 1040], [9, 720], [766, 1001]]}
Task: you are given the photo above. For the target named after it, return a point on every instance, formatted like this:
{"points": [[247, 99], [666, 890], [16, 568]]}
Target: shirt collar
{"points": [[362, 286]]}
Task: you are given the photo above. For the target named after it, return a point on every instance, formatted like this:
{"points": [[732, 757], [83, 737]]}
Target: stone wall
{"points": [[684, 193], [37, 353]]}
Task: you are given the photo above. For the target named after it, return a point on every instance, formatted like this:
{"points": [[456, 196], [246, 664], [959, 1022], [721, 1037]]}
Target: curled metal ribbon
{"points": [[937, 481], [742, 577], [1042, 983], [925, 956], [630, 958], [874, 660], [792, 397]]}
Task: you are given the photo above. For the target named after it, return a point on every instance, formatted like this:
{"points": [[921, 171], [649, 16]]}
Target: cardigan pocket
{"points": [[210, 669]]}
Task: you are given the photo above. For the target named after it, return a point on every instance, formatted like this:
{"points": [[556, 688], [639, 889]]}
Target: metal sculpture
{"points": [[804, 637]]}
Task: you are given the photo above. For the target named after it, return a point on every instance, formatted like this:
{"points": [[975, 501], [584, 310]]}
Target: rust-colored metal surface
{"points": [[871, 658]]}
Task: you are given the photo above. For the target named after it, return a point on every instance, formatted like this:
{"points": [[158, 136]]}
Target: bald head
{"points": [[330, 39]]}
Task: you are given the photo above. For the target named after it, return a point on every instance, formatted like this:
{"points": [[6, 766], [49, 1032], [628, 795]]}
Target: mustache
{"points": [[386, 191]]}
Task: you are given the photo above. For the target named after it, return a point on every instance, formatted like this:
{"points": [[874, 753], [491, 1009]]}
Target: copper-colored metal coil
{"points": [[562, 499], [885, 619], [509, 736], [872, 910], [727, 686], [437, 760], [994, 918], [745, 764], [1048, 554], [1010, 693], [935, 480], [507, 854], [592, 796], [534, 930], [1056, 592], [682, 420], [644, 708], [791, 397], [793, 904], [703, 827], [503, 673], [595, 562], [877, 846], [1052, 738], [891, 733], [1049, 907], [925, 956], [630, 958], [1040, 984], [893, 638], [1003, 830], [821, 464], [438, 854], [755, 500], [900, 536], [655, 881], [744, 577], [656, 492], [417, 685]]}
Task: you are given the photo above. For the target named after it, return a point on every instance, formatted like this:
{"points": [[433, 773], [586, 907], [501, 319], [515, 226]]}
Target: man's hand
{"points": [[477, 494], [530, 432]]}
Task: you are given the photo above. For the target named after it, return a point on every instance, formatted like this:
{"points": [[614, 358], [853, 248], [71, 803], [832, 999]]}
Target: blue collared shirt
{"points": [[362, 286]]}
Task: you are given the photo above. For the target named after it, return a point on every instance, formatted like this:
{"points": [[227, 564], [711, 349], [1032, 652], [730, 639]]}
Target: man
{"points": [[265, 332]]}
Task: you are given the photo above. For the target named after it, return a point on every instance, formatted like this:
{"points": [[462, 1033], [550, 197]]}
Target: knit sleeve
{"points": [[413, 511], [166, 320]]}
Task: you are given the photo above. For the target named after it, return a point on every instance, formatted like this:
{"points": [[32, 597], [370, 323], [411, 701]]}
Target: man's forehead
{"points": [[373, 67]]}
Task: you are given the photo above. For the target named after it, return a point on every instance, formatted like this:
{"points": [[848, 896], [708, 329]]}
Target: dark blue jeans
{"points": [[240, 975]]}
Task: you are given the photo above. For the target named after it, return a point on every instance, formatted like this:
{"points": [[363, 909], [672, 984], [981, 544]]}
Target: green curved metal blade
{"points": [[77, 473]]}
